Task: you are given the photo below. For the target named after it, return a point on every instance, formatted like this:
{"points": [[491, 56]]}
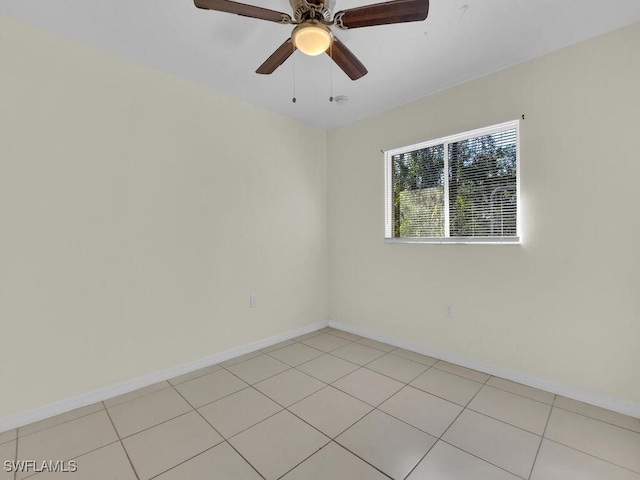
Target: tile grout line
{"points": [[270, 348], [310, 425], [197, 376], [202, 453], [339, 446], [185, 461], [224, 440], [269, 354], [251, 426], [433, 366], [496, 419], [466, 407], [306, 373], [213, 401], [407, 358], [72, 458], [392, 378], [353, 425], [289, 367], [158, 424], [593, 456], [359, 337], [249, 355], [439, 396], [242, 456], [104, 405], [535, 459], [503, 421], [428, 367], [421, 459], [375, 407], [11, 440], [304, 460], [57, 425], [371, 346], [482, 459], [344, 359], [598, 419], [135, 472], [283, 408], [358, 367], [518, 394], [581, 451], [359, 399], [344, 430], [461, 376], [68, 458], [295, 367], [348, 342]]}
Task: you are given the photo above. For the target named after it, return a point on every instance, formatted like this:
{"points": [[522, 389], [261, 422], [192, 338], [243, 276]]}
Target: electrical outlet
{"points": [[252, 301], [448, 311]]}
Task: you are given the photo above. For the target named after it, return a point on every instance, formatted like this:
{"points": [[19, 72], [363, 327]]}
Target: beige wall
{"points": [[564, 305], [138, 212]]}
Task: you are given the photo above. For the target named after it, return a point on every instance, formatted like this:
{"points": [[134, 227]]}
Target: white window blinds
{"points": [[461, 188]]}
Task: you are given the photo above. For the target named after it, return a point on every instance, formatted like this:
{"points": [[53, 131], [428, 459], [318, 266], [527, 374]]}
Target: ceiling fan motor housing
{"points": [[312, 9]]}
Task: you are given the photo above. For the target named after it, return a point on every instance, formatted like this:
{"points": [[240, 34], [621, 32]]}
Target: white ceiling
{"points": [[460, 40]]}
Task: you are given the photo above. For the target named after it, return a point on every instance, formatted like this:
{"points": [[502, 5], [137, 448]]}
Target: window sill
{"points": [[459, 240]]}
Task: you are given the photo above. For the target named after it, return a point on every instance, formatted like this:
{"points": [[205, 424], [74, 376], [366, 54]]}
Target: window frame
{"points": [[445, 141]]}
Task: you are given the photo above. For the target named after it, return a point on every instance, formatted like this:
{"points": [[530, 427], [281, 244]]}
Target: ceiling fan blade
{"points": [[244, 10], [277, 58], [346, 60], [397, 11]]}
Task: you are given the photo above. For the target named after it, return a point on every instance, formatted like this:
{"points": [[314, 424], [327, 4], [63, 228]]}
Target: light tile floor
{"points": [[333, 405]]}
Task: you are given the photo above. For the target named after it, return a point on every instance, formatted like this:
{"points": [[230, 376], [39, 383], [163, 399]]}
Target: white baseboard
{"points": [[24, 418], [576, 393], [594, 398]]}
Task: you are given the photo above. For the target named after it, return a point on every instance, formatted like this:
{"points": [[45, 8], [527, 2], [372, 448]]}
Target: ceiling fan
{"points": [[312, 19]]}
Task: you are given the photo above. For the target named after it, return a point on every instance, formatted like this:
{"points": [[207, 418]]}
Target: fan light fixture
{"points": [[311, 38]]}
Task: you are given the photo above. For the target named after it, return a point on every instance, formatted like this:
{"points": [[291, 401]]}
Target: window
{"points": [[459, 189]]}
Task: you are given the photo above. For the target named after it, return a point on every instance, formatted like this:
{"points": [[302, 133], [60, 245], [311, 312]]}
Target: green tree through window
{"points": [[418, 186]]}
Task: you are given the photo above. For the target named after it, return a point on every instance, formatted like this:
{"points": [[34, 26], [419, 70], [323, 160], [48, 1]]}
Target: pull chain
{"points": [[331, 72], [294, 77]]}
